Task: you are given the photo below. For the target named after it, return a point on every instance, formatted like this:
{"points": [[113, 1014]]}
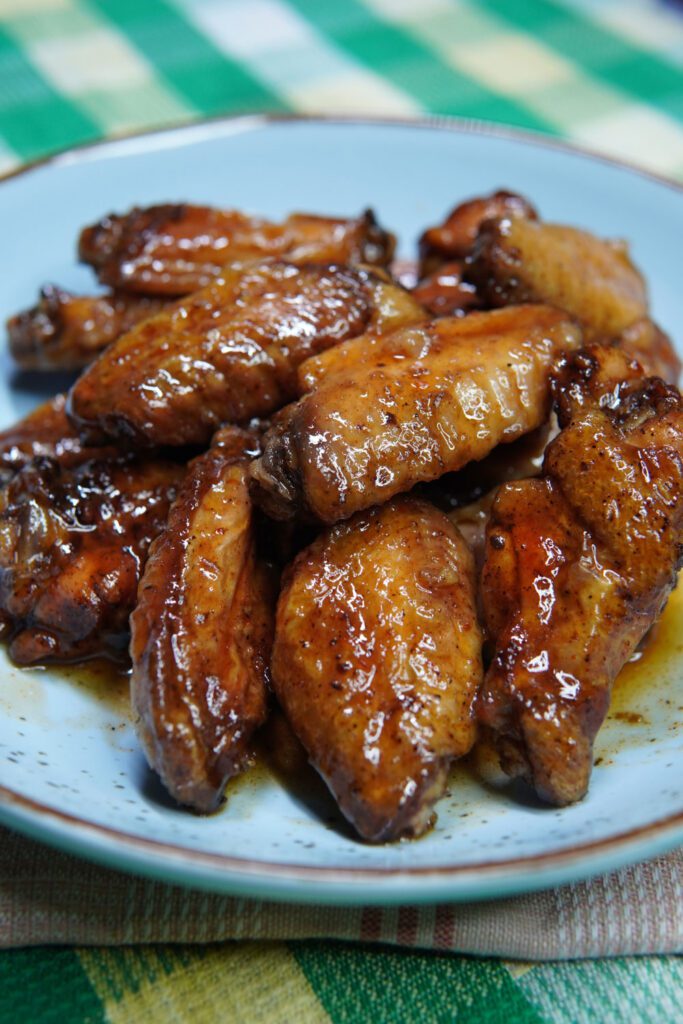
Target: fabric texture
{"points": [[607, 74]]}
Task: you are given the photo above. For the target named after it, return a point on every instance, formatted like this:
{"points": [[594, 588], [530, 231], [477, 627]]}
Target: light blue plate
{"points": [[71, 772]]}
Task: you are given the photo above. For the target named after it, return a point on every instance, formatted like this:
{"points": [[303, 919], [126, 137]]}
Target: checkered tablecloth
{"points": [[605, 73]]}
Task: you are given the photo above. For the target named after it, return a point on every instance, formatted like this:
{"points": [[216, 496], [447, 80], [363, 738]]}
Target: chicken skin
{"points": [[519, 260], [478, 381], [202, 630], [175, 249], [229, 352], [579, 564], [73, 539], [44, 432], [377, 660], [66, 332], [453, 239]]}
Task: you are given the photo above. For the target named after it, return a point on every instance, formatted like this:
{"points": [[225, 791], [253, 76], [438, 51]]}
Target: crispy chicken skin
{"points": [[579, 564], [476, 382], [520, 260], [452, 240], [202, 630], [66, 332], [44, 432], [227, 353], [175, 249], [73, 540], [377, 660]]}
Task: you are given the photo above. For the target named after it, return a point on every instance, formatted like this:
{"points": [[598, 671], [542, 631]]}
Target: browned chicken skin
{"points": [[445, 293], [44, 432], [377, 660], [475, 382], [66, 332], [73, 539], [579, 565], [175, 249], [519, 260], [229, 352], [202, 630], [453, 239]]}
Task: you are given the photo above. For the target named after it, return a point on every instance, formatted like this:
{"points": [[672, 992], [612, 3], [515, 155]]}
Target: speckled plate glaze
{"points": [[71, 772]]}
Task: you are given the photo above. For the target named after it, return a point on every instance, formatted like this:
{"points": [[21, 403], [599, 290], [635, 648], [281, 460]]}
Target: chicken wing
{"points": [[520, 260], [479, 380], [445, 293], [202, 630], [229, 352], [453, 239], [44, 432], [377, 660], [73, 539], [175, 249], [66, 332], [579, 564]]}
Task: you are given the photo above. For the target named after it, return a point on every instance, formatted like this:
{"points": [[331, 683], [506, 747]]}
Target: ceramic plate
{"points": [[71, 772]]}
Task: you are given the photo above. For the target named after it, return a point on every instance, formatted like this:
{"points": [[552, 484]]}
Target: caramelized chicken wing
{"points": [[175, 249], [453, 239], [478, 381], [44, 432], [229, 352], [653, 349], [202, 630], [445, 293], [66, 332], [519, 260], [73, 540], [377, 660], [579, 564]]}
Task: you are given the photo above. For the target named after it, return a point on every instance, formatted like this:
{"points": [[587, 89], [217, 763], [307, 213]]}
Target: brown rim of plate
{"points": [[285, 871], [245, 867]]}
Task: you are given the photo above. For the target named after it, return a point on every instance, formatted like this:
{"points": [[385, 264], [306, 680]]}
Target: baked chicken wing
{"points": [[175, 249], [228, 352], [519, 260], [44, 432], [73, 539], [377, 660], [358, 441], [202, 630], [579, 564], [66, 332]]}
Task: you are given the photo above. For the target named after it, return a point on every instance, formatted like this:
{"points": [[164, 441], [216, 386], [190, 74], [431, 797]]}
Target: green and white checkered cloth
{"points": [[607, 74]]}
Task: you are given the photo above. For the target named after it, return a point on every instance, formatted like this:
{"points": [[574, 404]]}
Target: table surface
{"points": [[607, 74]]}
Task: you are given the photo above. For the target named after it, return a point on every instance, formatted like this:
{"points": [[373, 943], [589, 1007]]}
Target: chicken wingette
{"points": [[579, 565], [175, 249], [202, 630], [74, 535], [229, 352], [377, 660], [383, 427]]}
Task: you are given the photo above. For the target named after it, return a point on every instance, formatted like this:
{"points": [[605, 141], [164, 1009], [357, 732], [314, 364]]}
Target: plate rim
{"points": [[347, 885]]}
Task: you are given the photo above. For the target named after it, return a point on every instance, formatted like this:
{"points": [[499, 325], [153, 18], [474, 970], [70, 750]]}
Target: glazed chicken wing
{"points": [[377, 660], [229, 352], [202, 630], [66, 332], [453, 239], [478, 381], [519, 260], [73, 539], [175, 249], [579, 564], [44, 432]]}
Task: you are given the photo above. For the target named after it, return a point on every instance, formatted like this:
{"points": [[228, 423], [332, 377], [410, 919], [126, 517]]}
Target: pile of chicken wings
{"points": [[410, 519]]}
